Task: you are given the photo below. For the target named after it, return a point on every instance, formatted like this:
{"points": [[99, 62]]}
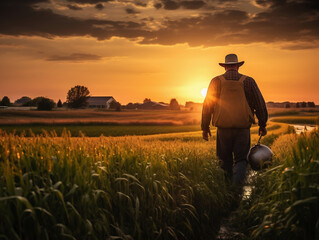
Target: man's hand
{"points": [[205, 134], [262, 131]]}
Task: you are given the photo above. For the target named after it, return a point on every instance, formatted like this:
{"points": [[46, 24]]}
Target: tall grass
{"points": [[166, 186], [284, 203], [109, 188]]}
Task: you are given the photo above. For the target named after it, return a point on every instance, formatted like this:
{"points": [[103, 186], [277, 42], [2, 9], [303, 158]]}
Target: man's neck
{"points": [[232, 69]]}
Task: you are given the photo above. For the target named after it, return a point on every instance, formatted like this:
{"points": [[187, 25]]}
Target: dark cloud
{"points": [[174, 5], [170, 5], [140, 4], [297, 21], [209, 30], [131, 11], [291, 22], [19, 20], [99, 6], [89, 1], [270, 3], [192, 4], [157, 5], [24, 2], [75, 57], [73, 7]]}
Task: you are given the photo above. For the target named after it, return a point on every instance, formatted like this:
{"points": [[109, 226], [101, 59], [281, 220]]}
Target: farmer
{"points": [[231, 101]]}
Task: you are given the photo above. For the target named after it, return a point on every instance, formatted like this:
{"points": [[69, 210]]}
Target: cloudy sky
{"points": [[160, 49]]}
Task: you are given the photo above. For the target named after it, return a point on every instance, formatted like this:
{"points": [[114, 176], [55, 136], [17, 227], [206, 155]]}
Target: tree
{"points": [[46, 104], [311, 104], [303, 104], [116, 105], [77, 96], [297, 105], [33, 103], [22, 100], [131, 106], [59, 105], [287, 105], [5, 101], [173, 105], [146, 100]]}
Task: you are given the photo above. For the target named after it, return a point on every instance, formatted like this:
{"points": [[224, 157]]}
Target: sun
{"points": [[204, 92]]}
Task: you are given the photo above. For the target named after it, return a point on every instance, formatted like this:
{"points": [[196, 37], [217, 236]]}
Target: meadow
{"points": [[96, 130], [167, 185], [94, 122], [96, 116], [311, 120]]}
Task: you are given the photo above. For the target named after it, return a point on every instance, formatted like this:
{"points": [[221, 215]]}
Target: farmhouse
{"points": [[100, 102], [153, 105]]}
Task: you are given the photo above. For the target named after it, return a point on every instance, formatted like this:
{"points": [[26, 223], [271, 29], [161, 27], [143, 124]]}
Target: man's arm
{"points": [[259, 105], [208, 105]]}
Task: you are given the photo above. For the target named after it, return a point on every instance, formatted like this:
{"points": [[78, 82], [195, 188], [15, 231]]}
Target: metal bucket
{"points": [[259, 156]]}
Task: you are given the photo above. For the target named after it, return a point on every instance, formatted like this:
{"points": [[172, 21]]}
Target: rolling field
{"points": [[117, 188], [94, 123], [94, 116], [166, 184], [96, 130], [311, 120]]}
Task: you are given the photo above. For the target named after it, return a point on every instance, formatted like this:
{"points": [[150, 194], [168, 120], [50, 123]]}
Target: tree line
{"points": [[77, 97], [301, 105]]}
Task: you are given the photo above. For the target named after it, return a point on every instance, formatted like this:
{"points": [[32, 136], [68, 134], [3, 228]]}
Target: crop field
{"points": [[94, 116], [96, 130], [127, 117], [98, 188], [94, 123], [311, 120], [275, 112], [166, 184], [284, 202]]}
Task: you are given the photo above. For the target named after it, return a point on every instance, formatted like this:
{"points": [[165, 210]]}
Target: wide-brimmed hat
{"points": [[231, 59]]}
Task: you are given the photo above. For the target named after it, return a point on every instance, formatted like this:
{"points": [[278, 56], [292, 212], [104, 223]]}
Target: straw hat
{"points": [[231, 59]]}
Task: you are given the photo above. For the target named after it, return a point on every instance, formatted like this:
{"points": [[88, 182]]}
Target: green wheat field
{"points": [[160, 186]]}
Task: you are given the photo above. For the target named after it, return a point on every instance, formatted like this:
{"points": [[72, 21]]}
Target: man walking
{"points": [[231, 101]]}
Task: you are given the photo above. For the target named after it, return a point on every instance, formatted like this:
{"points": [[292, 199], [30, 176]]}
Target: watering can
{"points": [[259, 156]]}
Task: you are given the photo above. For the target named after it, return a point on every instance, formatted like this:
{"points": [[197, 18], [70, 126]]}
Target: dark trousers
{"points": [[233, 145]]}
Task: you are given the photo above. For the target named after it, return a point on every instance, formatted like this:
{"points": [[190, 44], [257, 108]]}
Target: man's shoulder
{"points": [[248, 78], [217, 78]]}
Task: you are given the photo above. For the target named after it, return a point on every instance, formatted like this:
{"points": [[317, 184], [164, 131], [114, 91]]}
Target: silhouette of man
{"points": [[231, 101]]}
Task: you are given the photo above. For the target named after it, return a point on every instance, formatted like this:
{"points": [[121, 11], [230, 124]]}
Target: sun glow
{"points": [[204, 92]]}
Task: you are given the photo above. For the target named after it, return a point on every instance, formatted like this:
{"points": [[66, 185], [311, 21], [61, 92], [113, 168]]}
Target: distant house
{"points": [[153, 105], [100, 102]]}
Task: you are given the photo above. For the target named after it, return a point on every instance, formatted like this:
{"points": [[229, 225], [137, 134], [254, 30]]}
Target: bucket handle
{"points": [[258, 143]]}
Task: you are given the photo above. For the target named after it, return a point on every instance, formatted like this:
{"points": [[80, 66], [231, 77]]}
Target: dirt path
{"points": [[227, 231]]}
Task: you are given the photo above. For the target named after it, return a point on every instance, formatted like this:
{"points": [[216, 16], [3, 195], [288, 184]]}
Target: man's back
{"points": [[253, 96], [231, 109]]}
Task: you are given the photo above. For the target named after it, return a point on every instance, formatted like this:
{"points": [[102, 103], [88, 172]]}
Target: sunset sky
{"points": [[159, 49]]}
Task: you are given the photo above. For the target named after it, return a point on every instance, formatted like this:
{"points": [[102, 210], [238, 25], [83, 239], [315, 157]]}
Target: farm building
{"points": [[100, 102]]}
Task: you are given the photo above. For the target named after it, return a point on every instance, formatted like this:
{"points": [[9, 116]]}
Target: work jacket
{"points": [[253, 95]]}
